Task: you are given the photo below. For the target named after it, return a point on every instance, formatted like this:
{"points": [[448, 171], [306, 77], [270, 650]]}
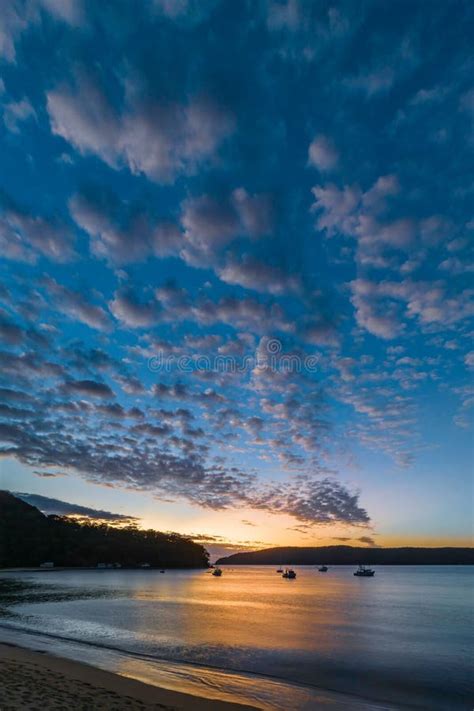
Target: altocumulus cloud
{"points": [[157, 140], [139, 459], [164, 197]]}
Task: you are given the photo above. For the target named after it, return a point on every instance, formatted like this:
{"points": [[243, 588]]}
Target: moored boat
{"points": [[289, 574], [217, 572], [323, 569], [363, 572]]}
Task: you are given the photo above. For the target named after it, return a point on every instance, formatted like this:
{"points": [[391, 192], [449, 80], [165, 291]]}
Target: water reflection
{"points": [[402, 634]]}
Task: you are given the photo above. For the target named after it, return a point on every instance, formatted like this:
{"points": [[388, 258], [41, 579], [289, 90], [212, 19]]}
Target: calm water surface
{"points": [[403, 639]]}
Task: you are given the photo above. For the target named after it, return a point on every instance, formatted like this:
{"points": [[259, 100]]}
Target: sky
{"points": [[236, 266]]}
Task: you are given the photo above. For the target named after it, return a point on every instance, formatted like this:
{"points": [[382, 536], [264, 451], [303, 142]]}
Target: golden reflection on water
{"points": [[253, 607], [246, 608]]}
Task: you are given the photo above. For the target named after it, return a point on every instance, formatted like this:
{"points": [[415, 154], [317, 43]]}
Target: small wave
{"points": [[269, 693]]}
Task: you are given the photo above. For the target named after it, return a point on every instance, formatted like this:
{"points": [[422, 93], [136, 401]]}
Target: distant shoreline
{"points": [[350, 555]]}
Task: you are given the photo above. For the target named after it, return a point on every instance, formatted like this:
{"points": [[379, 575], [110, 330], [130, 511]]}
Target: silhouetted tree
{"points": [[27, 538]]}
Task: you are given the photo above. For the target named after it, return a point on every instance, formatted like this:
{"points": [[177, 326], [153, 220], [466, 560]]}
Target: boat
{"points": [[279, 570], [217, 572], [363, 572], [289, 573], [323, 569]]}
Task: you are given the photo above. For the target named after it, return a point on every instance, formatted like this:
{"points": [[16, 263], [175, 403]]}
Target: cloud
{"points": [[378, 81], [429, 302], [322, 154], [255, 212], [75, 305], [392, 63], [251, 273], [158, 140], [369, 541], [13, 23], [212, 223], [122, 233], [372, 312], [17, 16], [69, 11], [336, 208], [172, 8], [245, 313], [87, 388], [323, 501], [469, 359], [350, 212], [62, 508], [10, 332], [319, 332], [175, 305], [47, 474], [284, 15], [127, 308], [209, 223], [16, 112], [23, 235], [28, 364], [81, 437], [126, 232]]}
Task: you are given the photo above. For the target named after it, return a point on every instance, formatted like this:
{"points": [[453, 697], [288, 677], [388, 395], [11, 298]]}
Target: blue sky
{"points": [[237, 264]]}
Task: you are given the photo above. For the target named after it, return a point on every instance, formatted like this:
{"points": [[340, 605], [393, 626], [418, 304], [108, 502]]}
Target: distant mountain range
{"points": [[348, 555], [29, 538]]}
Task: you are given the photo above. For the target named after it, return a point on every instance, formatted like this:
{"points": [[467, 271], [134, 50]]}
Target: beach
{"points": [[33, 679]]}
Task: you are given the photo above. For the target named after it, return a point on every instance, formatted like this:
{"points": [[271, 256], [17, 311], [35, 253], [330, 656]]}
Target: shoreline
{"points": [[228, 691], [36, 679]]}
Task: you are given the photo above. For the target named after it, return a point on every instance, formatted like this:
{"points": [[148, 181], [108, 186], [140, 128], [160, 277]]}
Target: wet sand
{"points": [[32, 680]]}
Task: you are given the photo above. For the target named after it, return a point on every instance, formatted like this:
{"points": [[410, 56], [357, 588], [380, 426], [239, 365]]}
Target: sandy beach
{"points": [[30, 680]]}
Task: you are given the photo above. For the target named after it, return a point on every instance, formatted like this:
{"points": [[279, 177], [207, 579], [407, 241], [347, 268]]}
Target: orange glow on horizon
{"points": [[254, 530]]}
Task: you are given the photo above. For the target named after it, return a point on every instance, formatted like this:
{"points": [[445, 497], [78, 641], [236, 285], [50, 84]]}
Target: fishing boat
{"points": [[217, 572], [363, 572], [289, 573], [323, 569]]}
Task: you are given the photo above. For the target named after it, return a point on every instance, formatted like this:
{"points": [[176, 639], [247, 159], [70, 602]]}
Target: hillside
{"points": [[28, 538], [341, 555]]}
